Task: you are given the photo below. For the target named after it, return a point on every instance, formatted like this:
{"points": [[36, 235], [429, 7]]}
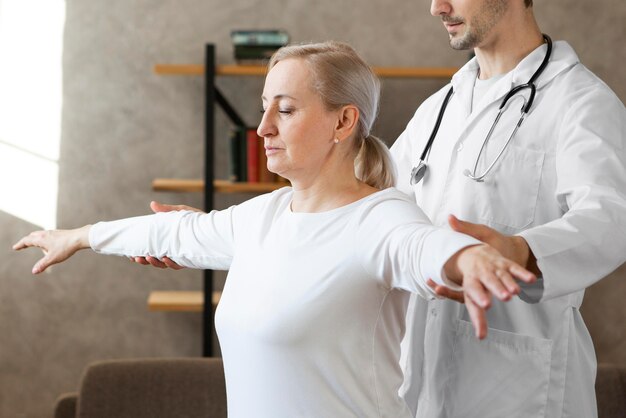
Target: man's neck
{"points": [[508, 46]]}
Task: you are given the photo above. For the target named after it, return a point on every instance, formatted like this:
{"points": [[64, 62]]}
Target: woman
{"points": [[312, 313]]}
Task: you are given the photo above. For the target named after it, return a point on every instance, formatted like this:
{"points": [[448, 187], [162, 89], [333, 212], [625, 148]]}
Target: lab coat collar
{"points": [[563, 57]]}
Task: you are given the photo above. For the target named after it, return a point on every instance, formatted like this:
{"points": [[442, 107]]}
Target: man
{"points": [[554, 200]]}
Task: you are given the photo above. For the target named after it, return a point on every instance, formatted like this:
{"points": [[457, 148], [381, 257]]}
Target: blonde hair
{"points": [[341, 77]]}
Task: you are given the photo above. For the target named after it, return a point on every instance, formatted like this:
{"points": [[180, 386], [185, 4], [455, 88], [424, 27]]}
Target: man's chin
{"points": [[460, 43]]}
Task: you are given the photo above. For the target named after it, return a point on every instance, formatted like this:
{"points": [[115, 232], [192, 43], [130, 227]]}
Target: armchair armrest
{"points": [[153, 388], [65, 406]]}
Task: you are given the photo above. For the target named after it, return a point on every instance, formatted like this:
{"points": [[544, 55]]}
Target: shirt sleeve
{"points": [[398, 245], [589, 240], [191, 239]]}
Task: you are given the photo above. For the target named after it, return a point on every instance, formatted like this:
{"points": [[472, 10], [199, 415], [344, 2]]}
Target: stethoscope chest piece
{"points": [[418, 172]]}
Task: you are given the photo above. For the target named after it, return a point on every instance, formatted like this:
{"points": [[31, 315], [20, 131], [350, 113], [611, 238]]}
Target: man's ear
{"points": [[347, 120]]}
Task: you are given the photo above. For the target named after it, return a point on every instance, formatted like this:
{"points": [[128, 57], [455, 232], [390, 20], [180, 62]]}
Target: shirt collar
{"points": [[562, 58]]}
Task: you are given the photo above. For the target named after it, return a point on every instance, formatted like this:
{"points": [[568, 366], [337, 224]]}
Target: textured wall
{"points": [[124, 126]]}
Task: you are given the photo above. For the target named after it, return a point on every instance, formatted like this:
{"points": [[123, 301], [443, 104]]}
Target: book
{"points": [[252, 155], [273, 37], [238, 150], [257, 46], [265, 176], [248, 161]]}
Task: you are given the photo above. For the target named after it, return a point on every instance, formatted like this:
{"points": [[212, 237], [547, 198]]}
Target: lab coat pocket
{"points": [[505, 375], [508, 195]]}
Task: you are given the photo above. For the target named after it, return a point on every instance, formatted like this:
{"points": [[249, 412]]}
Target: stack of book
{"points": [[248, 161], [257, 46]]}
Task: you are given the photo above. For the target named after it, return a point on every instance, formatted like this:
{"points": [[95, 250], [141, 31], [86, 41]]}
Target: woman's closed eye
{"points": [[282, 111]]}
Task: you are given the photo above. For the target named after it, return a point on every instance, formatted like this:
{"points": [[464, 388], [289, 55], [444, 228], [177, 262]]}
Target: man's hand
{"points": [[164, 262], [513, 247], [446, 292]]}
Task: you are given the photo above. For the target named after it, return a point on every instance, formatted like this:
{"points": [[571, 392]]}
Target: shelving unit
{"points": [[180, 301], [206, 300], [219, 186], [259, 70]]}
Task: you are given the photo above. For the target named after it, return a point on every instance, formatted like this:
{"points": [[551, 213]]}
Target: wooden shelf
{"points": [[260, 70], [220, 186], [179, 301]]}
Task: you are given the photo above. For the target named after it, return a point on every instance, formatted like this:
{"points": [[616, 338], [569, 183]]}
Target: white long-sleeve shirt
{"points": [[313, 310]]}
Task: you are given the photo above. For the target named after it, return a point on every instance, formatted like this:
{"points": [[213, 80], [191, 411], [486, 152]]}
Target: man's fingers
{"points": [[475, 230], [162, 207], [139, 260], [478, 318], [522, 274], [171, 264], [165, 262], [445, 292], [155, 262]]}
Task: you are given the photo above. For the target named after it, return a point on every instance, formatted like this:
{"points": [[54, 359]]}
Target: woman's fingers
{"points": [[508, 281], [477, 316], [41, 265], [31, 240], [491, 280]]}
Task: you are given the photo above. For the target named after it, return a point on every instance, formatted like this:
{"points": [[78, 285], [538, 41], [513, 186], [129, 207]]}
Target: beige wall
{"points": [[122, 126]]}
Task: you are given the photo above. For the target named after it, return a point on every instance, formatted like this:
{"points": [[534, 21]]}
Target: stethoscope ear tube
{"points": [[517, 89]]}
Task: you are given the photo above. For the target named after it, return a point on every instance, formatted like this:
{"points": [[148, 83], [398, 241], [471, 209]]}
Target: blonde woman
{"points": [[312, 313]]}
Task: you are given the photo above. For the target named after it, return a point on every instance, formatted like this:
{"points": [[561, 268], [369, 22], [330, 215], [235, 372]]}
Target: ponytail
{"points": [[373, 164]]}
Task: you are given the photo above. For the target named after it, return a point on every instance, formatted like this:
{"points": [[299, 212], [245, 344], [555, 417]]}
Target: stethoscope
{"points": [[418, 172]]}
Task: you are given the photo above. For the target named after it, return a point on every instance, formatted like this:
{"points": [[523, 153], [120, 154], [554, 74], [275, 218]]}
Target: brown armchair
{"points": [[190, 388], [148, 388]]}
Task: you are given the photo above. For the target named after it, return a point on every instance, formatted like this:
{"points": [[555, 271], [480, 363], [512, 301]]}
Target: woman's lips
{"points": [[271, 150]]}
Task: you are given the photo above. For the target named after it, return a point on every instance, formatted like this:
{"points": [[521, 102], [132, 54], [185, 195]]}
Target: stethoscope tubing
{"points": [[418, 172]]}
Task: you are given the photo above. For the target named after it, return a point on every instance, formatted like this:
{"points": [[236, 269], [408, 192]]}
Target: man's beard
{"points": [[486, 18]]}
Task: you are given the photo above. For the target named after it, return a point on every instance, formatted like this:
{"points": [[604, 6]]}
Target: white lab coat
{"points": [[561, 184]]}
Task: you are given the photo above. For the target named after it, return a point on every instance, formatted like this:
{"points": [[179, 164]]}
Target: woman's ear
{"points": [[348, 118]]}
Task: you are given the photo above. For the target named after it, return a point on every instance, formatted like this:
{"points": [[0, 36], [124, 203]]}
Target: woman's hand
{"points": [[483, 271], [164, 262], [57, 246]]}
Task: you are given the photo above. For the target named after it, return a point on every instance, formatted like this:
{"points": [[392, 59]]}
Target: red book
{"points": [[252, 141], [265, 176]]}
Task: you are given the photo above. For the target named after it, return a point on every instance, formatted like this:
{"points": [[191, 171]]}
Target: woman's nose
{"points": [[267, 126]]}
